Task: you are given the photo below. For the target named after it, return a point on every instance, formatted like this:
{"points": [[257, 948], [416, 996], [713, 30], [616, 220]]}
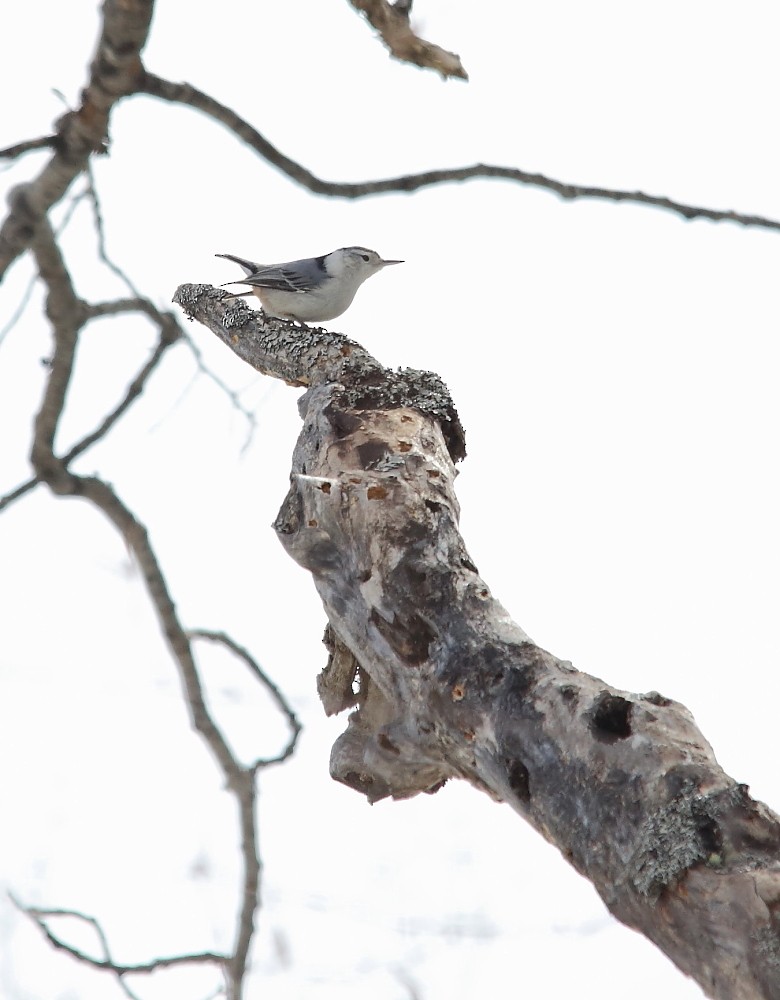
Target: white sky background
{"points": [[615, 368]]}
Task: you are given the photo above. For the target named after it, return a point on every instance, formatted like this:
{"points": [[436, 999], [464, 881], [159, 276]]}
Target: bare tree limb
{"points": [[61, 227], [107, 964], [114, 72], [169, 334], [391, 21], [68, 314], [239, 780], [185, 93], [625, 785]]}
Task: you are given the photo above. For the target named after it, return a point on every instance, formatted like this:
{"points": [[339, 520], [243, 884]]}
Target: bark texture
{"points": [[444, 684]]}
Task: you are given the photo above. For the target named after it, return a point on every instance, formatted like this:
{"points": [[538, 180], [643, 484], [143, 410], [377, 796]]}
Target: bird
{"points": [[311, 290]]}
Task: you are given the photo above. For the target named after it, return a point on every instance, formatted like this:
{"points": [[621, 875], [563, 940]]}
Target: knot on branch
{"points": [[383, 753]]}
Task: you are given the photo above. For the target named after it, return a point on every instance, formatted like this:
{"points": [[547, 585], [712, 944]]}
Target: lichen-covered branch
{"points": [[315, 356], [446, 686]]}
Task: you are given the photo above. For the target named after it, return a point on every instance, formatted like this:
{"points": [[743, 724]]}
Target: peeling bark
{"points": [[447, 685]]}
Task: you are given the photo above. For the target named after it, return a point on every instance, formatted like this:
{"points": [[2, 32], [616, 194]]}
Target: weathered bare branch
{"points": [[169, 334], [61, 227], [185, 93], [623, 784], [391, 21], [114, 72], [239, 780], [68, 314]]}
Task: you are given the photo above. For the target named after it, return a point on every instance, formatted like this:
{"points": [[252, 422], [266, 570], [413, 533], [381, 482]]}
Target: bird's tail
{"points": [[249, 266]]}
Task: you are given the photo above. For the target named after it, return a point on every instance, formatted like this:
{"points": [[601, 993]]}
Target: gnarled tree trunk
{"points": [[445, 685]]}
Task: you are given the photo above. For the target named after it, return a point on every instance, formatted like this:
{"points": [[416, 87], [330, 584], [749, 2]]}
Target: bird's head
{"points": [[356, 262]]}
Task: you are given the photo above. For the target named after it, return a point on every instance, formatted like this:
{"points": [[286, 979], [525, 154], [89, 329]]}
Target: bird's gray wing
{"points": [[295, 276]]}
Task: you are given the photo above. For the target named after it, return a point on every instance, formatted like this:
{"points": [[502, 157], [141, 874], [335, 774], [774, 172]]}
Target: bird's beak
{"points": [[386, 262]]}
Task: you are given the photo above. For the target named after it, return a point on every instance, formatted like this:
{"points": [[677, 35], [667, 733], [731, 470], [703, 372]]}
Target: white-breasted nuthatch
{"points": [[310, 290]]}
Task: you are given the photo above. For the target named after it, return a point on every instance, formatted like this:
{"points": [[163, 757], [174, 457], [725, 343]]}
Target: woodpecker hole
{"points": [[517, 773], [387, 744], [570, 694], [611, 719]]}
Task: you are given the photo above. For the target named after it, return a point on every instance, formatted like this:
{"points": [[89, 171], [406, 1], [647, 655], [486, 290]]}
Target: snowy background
{"points": [[616, 370]]}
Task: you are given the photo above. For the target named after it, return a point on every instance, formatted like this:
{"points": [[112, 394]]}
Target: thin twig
{"points": [[143, 305], [18, 492], [279, 699], [28, 146], [39, 916], [169, 334], [185, 93], [231, 394], [101, 233]]}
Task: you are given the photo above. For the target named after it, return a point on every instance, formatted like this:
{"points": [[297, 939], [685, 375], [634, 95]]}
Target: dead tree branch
{"points": [[170, 332], [114, 72], [623, 784], [222, 639], [185, 93], [68, 314], [391, 21], [39, 917], [28, 146]]}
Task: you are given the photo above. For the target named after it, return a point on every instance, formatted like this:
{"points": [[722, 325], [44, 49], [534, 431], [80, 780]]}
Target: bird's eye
{"points": [[365, 257]]}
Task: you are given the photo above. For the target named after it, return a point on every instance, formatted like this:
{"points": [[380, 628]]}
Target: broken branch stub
{"points": [[446, 685]]}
